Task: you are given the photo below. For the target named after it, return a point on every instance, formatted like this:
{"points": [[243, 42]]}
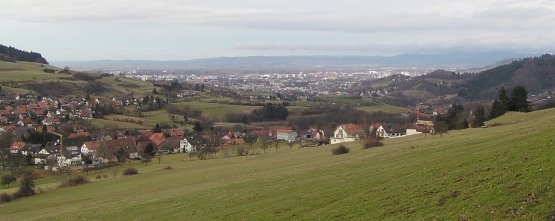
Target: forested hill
{"points": [[536, 74], [12, 54]]}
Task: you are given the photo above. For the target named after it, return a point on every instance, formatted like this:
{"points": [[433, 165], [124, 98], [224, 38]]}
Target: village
{"points": [[54, 133]]}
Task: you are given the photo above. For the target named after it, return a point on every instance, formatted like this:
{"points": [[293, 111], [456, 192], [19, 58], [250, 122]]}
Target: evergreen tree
{"points": [[519, 100], [503, 101], [26, 186], [149, 150], [480, 117], [494, 113], [157, 129], [159, 102], [500, 105], [198, 127]]}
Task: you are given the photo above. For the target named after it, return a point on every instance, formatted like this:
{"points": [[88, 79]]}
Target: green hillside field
{"points": [[22, 72], [505, 171]]}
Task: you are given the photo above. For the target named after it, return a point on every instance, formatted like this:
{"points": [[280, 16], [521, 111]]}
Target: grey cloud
{"points": [[356, 16]]}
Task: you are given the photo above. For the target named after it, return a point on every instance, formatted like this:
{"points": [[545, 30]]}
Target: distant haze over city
{"points": [[451, 61]]}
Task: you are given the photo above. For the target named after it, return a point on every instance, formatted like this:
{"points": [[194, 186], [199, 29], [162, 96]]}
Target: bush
{"points": [[8, 179], [76, 181], [340, 150], [27, 184], [4, 198], [369, 143], [130, 171], [105, 176], [98, 177]]}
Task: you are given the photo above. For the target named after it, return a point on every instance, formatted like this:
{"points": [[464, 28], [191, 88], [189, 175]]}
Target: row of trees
{"points": [[517, 102], [457, 118], [269, 112]]}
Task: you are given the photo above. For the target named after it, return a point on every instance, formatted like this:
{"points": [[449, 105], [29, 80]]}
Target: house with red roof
{"points": [[157, 139], [346, 133], [16, 147], [89, 148], [231, 140]]}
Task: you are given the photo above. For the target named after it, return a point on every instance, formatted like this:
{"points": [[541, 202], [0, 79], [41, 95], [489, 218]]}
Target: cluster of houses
{"points": [[20, 116], [352, 132], [29, 110], [81, 144]]}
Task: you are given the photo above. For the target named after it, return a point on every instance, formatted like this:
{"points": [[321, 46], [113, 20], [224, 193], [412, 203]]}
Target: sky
{"points": [[72, 30]]}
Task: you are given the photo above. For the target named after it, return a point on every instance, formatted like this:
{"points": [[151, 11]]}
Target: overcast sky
{"points": [[184, 29]]}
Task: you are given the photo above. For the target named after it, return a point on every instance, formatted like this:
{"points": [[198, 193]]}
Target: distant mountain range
{"points": [[446, 60], [12, 54]]}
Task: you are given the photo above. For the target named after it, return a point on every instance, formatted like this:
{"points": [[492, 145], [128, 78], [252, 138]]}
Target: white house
{"points": [[89, 148], [346, 133], [186, 147], [379, 130], [286, 134]]}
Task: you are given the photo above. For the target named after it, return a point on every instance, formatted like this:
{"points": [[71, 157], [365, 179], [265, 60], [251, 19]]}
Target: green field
{"points": [[124, 86], [149, 120], [216, 111], [506, 171], [381, 107], [33, 72], [28, 71], [364, 104]]}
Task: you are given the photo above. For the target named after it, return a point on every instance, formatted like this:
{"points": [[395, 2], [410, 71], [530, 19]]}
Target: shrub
{"points": [[76, 181], [340, 150], [98, 177], [27, 184], [4, 198], [130, 171], [8, 179], [105, 176], [369, 143]]}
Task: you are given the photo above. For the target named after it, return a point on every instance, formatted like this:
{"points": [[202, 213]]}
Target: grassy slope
{"points": [[502, 172], [215, 110], [381, 107], [124, 86], [23, 71]]}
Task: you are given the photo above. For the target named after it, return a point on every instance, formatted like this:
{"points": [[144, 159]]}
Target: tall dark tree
{"points": [[519, 100], [149, 150], [26, 186], [157, 129], [503, 100], [121, 154], [480, 117], [198, 127], [500, 105]]}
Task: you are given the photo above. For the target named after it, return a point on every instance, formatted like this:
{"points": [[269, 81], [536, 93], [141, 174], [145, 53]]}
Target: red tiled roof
{"points": [[283, 130], [352, 128], [17, 145]]}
